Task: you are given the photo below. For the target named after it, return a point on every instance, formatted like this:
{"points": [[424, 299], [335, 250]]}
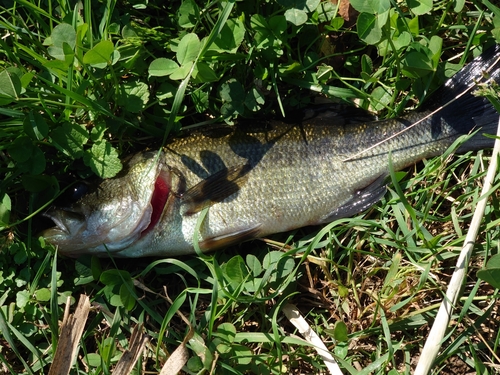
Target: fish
{"points": [[215, 187]]}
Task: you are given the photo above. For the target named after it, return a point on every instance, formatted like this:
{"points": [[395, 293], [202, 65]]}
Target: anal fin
{"points": [[362, 200], [230, 238]]}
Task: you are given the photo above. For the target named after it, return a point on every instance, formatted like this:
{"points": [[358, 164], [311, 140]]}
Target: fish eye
{"points": [[78, 191]]}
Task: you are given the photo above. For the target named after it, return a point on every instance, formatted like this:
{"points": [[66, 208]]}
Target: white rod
{"points": [[438, 330]]}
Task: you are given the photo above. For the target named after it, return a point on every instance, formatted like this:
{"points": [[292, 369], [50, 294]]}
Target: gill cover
{"points": [[117, 213]]}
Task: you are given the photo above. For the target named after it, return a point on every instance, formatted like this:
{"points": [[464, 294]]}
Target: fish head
{"points": [[117, 213]]}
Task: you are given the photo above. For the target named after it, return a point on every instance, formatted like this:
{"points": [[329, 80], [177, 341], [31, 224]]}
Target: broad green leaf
{"points": [[200, 100], [64, 53], [128, 31], [382, 18], [491, 273], [95, 264], [254, 100], [232, 90], [114, 298], [371, 6], [127, 298], [20, 254], [311, 5], [93, 360], [70, 139], [420, 7], [496, 34], [254, 264], [337, 23], [204, 73], [282, 265], [115, 57], [366, 64], [458, 5], [63, 33], [98, 131], [324, 73], [223, 348], [230, 37], [26, 79], [162, 67], [304, 5], [114, 277], [35, 127], [435, 46], [42, 295], [368, 28], [100, 55], [235, 269], [10, 86], [296, 16], [417, 64], [36, 162], [262, 36], [21, 149], [326, 11], [5, 208], [244, 354], [181, 72], [188, 14], [69, 55], [195, 365], [103, 159], [114, 28], [27, 329], [198, 346], [188, 49], [133, 96], [258, 22], [380, 98], [340, 331], [22, 298], [226, 331], [278, 24], [83, 270], [402, 41], [233, 96]]}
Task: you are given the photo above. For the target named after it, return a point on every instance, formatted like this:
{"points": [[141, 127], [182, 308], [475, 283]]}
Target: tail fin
{"points": [[457, 106]]}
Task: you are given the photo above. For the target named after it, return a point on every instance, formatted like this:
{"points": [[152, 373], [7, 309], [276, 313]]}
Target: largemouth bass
{"points": [[252, 183]]}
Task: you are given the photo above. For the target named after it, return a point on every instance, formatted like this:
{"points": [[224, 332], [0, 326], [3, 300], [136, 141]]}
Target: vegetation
{"points": [[84, 84]]}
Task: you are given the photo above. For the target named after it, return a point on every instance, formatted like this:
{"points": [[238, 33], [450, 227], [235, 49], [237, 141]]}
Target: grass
{"points": [[83, 85]]}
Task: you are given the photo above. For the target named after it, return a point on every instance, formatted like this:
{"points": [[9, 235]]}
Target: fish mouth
{"points": [[78, 230]]}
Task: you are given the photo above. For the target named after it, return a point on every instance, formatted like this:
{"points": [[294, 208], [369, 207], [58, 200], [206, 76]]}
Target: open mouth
{"points": [[158, 201]]}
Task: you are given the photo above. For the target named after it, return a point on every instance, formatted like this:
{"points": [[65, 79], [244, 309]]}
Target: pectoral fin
{"points": [[362, 200], [230, 238], [215, 188]]}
